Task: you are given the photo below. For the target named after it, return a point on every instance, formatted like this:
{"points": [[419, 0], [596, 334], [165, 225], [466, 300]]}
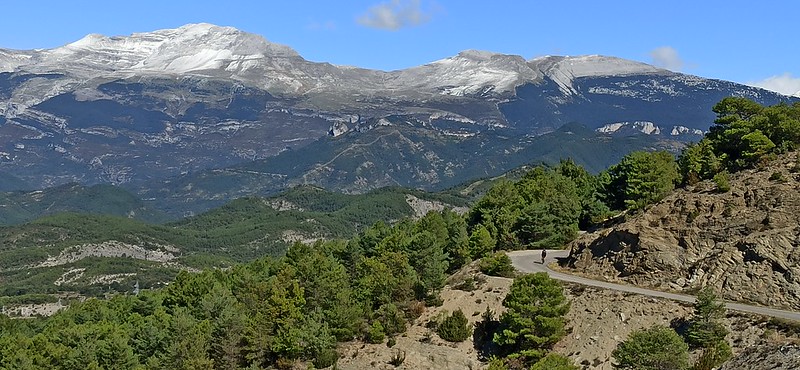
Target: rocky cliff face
{"points": [[775, 357], [745, 243]]}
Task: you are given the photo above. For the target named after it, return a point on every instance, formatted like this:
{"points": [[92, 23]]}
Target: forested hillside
{"points": [[734, 224], [23, 206], [91, 253], [278, 311]]}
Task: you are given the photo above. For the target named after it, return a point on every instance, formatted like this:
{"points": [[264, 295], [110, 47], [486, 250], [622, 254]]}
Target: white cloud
{"points": [[785, 84], [395, 15], [667, 57]]}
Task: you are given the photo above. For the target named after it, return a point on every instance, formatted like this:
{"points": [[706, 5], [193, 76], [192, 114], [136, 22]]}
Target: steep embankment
{"points": [[745, 242]]}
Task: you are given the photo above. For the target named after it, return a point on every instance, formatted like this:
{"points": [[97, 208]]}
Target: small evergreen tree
{"points": [[554, 361], [481, 243], [376, 333], [654, 348], [705, 328], [707, 332], [534, 320], [721, 180], [498, 264], [455, 328], [641, 178]]}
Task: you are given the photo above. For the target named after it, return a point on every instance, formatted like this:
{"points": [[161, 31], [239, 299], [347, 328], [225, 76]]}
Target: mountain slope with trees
{"points": [[22, 206], [74, 252], [281, 311], [736, 218]]}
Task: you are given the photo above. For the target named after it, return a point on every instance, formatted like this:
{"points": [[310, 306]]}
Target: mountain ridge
{"points": [[175, 51], [141, 110]]}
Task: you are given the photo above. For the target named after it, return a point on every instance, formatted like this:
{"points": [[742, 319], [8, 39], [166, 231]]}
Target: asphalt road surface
{"points": [[530, 261]]}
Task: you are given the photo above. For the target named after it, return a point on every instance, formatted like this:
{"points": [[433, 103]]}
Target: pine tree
{"points": [[455, 328], [534, 319], [654, 348]]}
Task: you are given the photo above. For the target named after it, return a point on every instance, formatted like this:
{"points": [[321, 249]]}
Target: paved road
{"points": [[530, 261]]}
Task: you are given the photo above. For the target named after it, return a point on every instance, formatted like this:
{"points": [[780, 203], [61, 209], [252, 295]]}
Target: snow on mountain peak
{"points": [[189, 48], [204, 46], [563, 70], [87, 41], [476, 54], [599, 65], [470, 72], [203, 28]]}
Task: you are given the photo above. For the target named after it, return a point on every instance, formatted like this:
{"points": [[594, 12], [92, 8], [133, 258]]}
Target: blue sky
{"points": [[742, 41]]}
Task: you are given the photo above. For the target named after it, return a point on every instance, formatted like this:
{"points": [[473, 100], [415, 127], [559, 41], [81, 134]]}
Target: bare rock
{"points": [[774, 356], [744, 243]]}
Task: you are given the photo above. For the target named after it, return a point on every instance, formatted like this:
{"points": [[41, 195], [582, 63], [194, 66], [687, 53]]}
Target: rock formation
{"points": [[744, 243]]}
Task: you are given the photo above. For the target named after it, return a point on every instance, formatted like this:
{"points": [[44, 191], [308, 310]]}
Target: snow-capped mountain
{"points": [[191, 48], [137, 109], [209, 50]]}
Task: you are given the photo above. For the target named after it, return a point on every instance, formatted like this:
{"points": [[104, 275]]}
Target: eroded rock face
{"points": [[776, 357], [745, 243]]}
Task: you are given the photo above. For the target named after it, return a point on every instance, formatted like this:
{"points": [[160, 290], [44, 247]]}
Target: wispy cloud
{"points": [[394, 15], [785, 84], [667, 57]]}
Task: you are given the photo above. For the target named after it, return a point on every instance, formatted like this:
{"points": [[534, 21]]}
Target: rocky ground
{"points": [[767, 356], [597, 321], [745, 243]]}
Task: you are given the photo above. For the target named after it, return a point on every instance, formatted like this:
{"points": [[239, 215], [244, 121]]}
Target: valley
{"points": [[201, 197]]}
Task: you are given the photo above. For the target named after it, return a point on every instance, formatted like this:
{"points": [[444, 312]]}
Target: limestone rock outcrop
{"points": [[775, 357], [745, 243]]}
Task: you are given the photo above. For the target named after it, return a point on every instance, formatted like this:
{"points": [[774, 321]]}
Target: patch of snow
{"points": [[450, 117], [564, 70], [468, 73]]}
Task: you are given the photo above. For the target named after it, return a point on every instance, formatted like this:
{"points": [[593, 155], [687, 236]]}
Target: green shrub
{"points": [[326, 358], [777, 176], [455, 328], [376, 334], [391, 342], [498, 264], [554, 361], [496, 363], [654, 348], [713, 356], [721, 179]]}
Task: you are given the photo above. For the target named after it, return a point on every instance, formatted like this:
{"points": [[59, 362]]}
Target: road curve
{"points": [[529, 261]]}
